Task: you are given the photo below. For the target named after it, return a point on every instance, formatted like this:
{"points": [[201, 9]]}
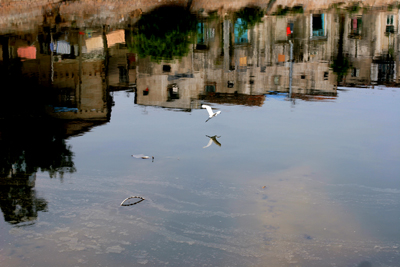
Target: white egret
{"points": [[211, 114], [213, 139]]}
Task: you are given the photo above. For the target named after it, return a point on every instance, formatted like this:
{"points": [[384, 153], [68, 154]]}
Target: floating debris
{"points": [[132, 201]]}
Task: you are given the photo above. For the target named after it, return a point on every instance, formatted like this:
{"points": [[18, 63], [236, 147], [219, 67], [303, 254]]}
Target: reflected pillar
{"points": [[80, 71], [106, 61], [226, 45], [6, 54]]}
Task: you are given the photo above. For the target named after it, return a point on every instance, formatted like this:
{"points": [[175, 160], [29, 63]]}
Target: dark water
{"points": [[300, 171]]}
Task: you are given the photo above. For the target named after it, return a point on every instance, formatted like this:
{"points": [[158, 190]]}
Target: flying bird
{"points": [[211, 114], [213, 139]]}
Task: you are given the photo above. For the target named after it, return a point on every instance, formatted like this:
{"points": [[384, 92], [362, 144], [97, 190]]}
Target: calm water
{"points": [[293, 172]]}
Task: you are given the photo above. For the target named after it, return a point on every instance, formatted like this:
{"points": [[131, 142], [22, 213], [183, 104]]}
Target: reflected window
{"points": [[389, 24], [241, 36], [210, 34], [123, 74], [277, 79], [65, 97], [210, 88], [200, 33], [318, 25], [131, 58], [173, 92], [355, 72], [243, 61], [389, 20], [386, 72], [166, 68], [355, 26], [201, 47]]}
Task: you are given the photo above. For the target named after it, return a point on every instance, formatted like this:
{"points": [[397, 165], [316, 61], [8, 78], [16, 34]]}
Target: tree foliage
{"points": [[250, 15], [340, 66], [164, 33]]}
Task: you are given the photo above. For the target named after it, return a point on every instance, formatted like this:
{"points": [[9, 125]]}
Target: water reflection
{"points": [[165, 33], [236, 57], [18, 199], [65, 71], [213, 139], [171, 58], [51, 91], [26, 148]]}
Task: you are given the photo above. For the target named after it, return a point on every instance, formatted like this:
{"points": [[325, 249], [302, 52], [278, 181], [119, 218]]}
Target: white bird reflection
{"points": [[141, 156], [211, 114], [213, 139]]}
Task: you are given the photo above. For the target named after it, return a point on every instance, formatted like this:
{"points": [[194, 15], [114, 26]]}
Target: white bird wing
{"points": [[139, 156], [209, 109], [209, 143]]}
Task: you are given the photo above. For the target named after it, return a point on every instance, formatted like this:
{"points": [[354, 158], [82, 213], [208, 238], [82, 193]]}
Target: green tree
{"points": [[164, 34], [251, 15]]}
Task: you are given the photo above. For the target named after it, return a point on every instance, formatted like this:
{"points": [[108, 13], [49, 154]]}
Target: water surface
{"points": [[300, 173]]}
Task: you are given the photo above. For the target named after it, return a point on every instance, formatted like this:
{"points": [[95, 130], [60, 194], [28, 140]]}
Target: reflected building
{"points": [[121, 71], [228, 62], [62, 75], [372, 44], [172, 84], [78, 77], [313, 44], [70, 72], [232, 64], [53, 82]]}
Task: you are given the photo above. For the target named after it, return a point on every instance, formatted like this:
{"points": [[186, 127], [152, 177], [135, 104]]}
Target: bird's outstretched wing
{"points": [[209, 109], [209, 143], [214, 138]]}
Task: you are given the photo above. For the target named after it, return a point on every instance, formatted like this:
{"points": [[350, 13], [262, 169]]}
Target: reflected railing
{"points": [[318, 33]]}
